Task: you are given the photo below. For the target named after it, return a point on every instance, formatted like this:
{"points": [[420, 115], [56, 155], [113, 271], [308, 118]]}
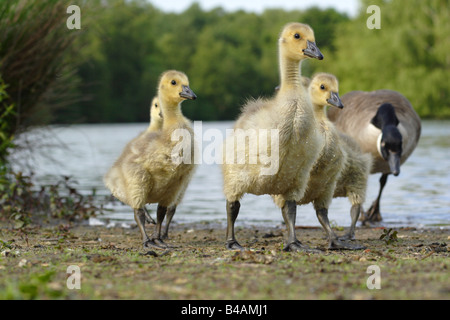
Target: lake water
{"points": [[420, 196]]}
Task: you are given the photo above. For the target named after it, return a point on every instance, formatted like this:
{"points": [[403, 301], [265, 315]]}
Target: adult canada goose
{"points": [[327, 169], [156, 167], [384, 124], [289, 114]]}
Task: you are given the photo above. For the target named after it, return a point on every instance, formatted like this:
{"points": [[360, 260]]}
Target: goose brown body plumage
{"points": [[385, 125]]}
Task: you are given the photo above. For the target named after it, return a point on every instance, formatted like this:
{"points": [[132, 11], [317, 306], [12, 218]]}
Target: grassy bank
{"points": [[34, 262]]}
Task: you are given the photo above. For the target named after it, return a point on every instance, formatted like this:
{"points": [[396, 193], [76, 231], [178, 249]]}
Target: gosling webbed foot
{"points": [[165, 236], [336, 244], [234, 245], [156, 243], [297, 246], [347, 237]]}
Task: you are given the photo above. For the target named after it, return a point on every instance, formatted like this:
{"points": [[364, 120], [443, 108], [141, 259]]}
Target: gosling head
{"points": [[324, 90], [174, 87], [155, 111], [298, 42]]}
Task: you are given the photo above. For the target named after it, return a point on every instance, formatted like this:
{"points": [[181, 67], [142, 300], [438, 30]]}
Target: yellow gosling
{"points": [[298, 143], [155, 167]]}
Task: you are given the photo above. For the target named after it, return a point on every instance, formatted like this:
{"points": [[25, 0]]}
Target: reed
{"points": [[35, 51]]}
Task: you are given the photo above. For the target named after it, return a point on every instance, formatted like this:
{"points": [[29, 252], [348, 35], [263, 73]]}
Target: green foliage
{"points": [[231, 56], [35, 286], [6, 119], [389, 237], [113, 64], [409, 54], [20, 201]]}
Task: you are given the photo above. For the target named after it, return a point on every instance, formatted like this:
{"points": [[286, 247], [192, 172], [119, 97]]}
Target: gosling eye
{"points": [[296, 36], [173, 82], [156, 105], [322, 87]]}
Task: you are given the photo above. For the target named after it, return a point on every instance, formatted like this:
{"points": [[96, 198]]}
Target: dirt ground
{"points": [[34, 265]]}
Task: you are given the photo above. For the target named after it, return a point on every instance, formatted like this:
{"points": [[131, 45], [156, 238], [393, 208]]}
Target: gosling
{"points": [[156, 122], [326, 171], [289, 114], [157, 166], [155, 125], [353, 181]]}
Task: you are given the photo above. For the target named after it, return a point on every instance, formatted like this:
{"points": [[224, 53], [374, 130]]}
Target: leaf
{"points": [[19, 224]]}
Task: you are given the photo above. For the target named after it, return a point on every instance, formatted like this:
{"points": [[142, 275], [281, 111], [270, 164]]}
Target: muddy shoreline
{"points": [[113, 265]]}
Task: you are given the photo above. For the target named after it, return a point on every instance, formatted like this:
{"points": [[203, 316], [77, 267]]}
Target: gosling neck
{"points": [[155, 125], [290, 73], [171, 112], [320, 112]]}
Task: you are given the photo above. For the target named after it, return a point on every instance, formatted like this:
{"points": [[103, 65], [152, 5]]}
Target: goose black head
{"points": [[390, 141]]}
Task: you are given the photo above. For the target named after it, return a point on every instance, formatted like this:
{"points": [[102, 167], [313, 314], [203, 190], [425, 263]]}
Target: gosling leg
{"points": [[155, 241], [232, 213], [148, 218], [333, 242], [139, 217], [289, 212], [169, 215], [373, 214], [354, 213]]}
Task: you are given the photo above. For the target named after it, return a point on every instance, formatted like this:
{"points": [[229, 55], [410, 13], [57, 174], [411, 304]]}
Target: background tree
{"points": [[228, 56], [112, 66], [410, 53]]}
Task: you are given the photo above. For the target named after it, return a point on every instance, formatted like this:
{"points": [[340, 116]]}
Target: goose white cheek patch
{"points": [[379, 145]]}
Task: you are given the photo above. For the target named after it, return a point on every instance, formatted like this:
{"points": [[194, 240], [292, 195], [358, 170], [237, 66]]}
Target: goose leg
{"points": [[232, 213], [333, 241], [169, 215], [354, 213], [289, 212], [148, 218], [139, 217], [155, 241], [373, 214]]}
